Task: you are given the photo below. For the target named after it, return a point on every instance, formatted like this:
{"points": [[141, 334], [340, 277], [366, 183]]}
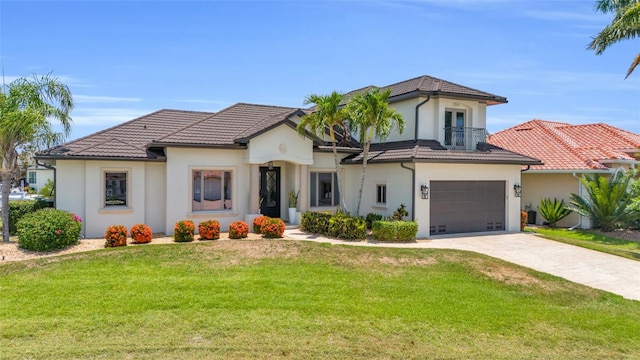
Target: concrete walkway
{"points": [[602, 271]]}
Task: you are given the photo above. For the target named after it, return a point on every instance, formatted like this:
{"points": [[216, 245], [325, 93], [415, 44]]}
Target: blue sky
{"points": [[124, 59]]}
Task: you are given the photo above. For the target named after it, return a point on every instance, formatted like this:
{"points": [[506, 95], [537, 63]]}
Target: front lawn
{"points": [[302, 300], [594, 240]]}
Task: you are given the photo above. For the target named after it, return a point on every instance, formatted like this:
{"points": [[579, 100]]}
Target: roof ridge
{"points": [[265, 118], [619, 132], [261, 105], [194, 123], [104, 142]]}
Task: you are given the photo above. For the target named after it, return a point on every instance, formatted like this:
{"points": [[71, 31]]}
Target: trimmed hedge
{"points": [[238, 230], [183, 231], [141, 233], [272, 228], [397, 231], [115, 235], [48, 230], [20, 208], [339, 225], [209, 230]]}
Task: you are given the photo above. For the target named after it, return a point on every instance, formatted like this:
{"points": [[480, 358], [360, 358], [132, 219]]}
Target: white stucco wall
{"points": [[70, 189], [155, 196], [475, 115], [180, 164], [408, 110], [281, 143], [536, 186]]}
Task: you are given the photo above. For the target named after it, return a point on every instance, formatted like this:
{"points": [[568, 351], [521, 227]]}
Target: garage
{"points": [[466, 206]]}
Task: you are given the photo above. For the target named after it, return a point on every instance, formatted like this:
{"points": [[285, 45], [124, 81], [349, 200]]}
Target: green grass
{"points": [[593, 240], [301, 300]]}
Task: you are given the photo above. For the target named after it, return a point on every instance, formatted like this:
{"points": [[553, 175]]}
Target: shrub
{"points": [[315, 222], [553, 211], [48, 230], [141, 233], [400, 213], [257, 223], [272, 228], [209, 230], [183, 231], [238, 230], [46, 191], [371, 217], [115, 235], [20, 208], [346, 227], [400, 231]]}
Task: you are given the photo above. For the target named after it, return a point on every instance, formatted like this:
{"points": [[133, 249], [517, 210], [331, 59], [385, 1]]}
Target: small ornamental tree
{"points": [[272, 228], [141, 233], [257, 223], [238, 230], [115, 235], [183, 231], [209, 230]]}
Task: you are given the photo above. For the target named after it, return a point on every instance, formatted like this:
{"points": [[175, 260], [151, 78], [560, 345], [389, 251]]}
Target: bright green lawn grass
{"points": [[593, 240], [300, 300]]}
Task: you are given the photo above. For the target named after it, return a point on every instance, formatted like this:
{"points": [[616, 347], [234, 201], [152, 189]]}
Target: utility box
{"points": [[531, 217]]}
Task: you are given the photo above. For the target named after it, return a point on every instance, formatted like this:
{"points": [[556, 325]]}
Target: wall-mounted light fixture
{"points": [[270, 164], [424, 191], [517, 189]]}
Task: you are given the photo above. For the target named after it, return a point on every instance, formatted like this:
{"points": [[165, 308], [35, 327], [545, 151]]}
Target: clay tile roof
{"points": [[225, 127], [433, 151], [563, 146], [128, 140]]}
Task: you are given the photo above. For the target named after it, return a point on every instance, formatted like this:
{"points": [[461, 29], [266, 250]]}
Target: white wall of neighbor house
{"points": [[536, 186], [70, 189], [427, 172], [179, 186], [42, 176]]}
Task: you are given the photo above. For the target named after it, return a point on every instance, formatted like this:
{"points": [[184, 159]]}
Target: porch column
{"points": [[303, 198], [254, 189]]}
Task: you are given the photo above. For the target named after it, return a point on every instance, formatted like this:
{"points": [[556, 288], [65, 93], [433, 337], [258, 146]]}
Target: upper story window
{"points": [[32, 178], [212, 190], [454, 128], [381, 194], [324, 189], [115, 188]]}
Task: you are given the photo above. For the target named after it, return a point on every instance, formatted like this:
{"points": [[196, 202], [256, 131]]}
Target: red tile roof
{"points": [[562, 146]]}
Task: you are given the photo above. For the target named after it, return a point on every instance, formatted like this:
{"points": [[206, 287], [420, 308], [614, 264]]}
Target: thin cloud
{"points": [[562, 16], [103, 99], [105, 117]]}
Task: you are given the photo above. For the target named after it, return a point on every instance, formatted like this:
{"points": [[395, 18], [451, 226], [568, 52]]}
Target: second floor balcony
{"points": [[463, 138]]}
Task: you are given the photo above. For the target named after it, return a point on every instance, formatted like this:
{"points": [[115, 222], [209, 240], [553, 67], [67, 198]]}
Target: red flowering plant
{"points": [[209, 230], [115, 235], [238, 230], [183, 231], [272, 228], [141, 233], [257, 223]]}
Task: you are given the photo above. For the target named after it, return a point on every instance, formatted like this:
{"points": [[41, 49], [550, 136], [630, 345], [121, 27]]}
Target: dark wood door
{"points": [[270, 191]]}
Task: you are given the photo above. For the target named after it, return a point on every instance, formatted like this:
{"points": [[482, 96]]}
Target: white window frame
{"points": [[334, 185], [35, 178], [129, 182], [233, 182]]}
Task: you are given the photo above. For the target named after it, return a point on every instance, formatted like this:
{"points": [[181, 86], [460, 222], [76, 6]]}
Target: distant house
{"points": [[568, 152], [38, 176], [231, 165]]}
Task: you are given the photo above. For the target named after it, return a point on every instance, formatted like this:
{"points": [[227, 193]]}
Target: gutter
{"points": [[55, 180], [413, 186], [418, 116], [527, 169]]}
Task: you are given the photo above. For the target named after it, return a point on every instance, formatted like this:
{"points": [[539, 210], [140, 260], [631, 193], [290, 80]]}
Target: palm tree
{"points": [[27, 108], [625, 25], [370, 117], [608, 201], [329, 114]]}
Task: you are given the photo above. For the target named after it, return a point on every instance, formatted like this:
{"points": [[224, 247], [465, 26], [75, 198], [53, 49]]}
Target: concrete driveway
{"points": [[588, 267]]}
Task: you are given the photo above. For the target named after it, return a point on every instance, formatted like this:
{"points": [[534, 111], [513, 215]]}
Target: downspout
{"points": [[55, 182], [413, 186], [418, 115]]}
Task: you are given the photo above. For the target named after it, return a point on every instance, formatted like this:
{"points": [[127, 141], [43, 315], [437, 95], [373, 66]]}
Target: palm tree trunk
{"points": [[341, 204], [365, 154], [6, 188]]}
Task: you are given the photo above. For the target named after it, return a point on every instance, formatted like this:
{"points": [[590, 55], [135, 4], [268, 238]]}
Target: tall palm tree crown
{"points": [[27, 108]]}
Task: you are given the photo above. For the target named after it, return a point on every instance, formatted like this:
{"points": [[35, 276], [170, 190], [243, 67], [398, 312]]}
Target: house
{"points": [[38, 176], [232, 165], [568, 152]]}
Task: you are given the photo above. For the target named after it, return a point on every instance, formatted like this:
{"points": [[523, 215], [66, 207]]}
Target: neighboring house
{"points": [[37, 176], [172, 165], [568, 152]]}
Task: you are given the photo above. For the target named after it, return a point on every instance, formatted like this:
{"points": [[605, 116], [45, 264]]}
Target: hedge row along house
{"points": [[243, 160]]}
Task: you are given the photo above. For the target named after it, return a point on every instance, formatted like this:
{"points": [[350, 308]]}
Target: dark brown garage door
{"points": [[467, 206]]}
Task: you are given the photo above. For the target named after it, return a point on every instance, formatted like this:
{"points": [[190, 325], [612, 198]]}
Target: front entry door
{"points": [[270, 191]]}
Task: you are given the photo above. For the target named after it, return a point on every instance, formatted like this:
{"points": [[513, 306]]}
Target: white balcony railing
{"points": [[463, 138]]}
